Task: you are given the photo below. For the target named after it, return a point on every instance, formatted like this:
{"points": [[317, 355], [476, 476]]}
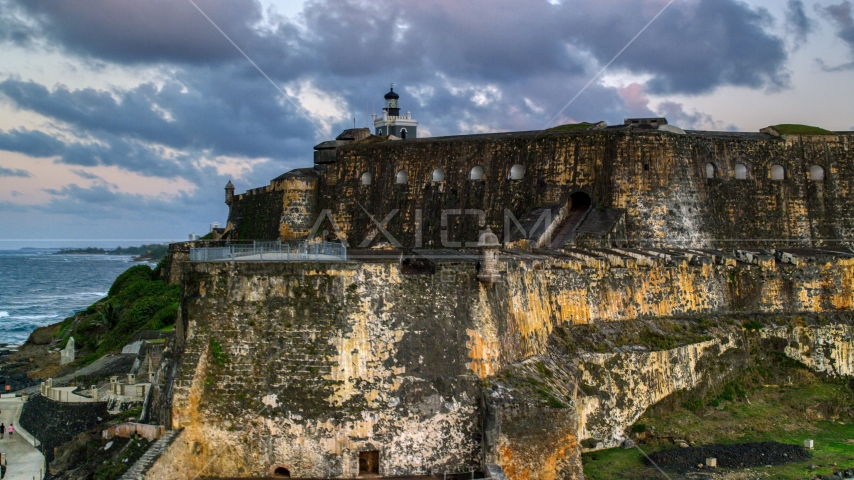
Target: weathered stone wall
{"points": [[538, 295], [305, 366], [616, 388], [256, 214], [827, 349], [299, 203], [537, 443], [659, 178], [54, 423]]}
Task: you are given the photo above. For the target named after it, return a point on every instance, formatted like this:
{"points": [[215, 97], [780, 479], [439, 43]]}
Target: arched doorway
{"points": [[282, 472], [580, 201]]}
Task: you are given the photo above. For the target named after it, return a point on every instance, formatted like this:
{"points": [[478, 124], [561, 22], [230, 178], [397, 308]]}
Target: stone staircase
{"points": [[140, 468]]}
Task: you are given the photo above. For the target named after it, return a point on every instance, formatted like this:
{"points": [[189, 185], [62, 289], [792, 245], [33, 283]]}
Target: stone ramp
{"points": [[566, 231], [114, 364], [140, 468], [598, 223]]}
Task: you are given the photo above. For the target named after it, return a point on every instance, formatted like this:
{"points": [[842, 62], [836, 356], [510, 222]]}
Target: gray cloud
{"points": [[106, 201], [708, 43], [30, 142], [146, 32], [13, 27], [798, 24], [14, 172], [460, 66], [86, 175], [842, 18]]}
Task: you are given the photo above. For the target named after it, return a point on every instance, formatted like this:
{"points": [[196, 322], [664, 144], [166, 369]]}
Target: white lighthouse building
{"points": [[391, 122]]}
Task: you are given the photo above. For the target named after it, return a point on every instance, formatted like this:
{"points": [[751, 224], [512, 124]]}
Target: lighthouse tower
{"points": [[392, 122]]}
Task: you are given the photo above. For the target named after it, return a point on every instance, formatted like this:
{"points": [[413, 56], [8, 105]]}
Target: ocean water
{"points": [[38, 287]]}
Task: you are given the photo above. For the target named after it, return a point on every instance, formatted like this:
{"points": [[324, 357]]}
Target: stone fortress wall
{"points": [[318, 369], [305, 366], [658, 178]]}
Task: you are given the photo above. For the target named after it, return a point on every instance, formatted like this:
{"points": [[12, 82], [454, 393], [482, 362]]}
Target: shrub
{"points": [[752, 325], [219, 357], [639, 428]]}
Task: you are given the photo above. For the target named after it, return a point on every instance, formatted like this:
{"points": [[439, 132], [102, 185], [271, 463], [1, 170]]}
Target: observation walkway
{"points": [[272, 252]]}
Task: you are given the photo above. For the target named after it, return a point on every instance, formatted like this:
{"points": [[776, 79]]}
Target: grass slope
{"points": [[795, 129], [138, 300], [571, 127]]}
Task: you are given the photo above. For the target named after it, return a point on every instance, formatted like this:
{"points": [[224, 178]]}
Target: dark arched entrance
{"points": [[580, 201], [282, 472], [369, 463]]}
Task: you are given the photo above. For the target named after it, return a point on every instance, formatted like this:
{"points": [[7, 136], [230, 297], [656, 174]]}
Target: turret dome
{"points": [[391, 95], [488, 239]]}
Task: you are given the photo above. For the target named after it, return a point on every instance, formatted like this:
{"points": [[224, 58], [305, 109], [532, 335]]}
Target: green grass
{"points": [[168, 328], [138, 300], [571, 127], [781, 414], [794, 129]]}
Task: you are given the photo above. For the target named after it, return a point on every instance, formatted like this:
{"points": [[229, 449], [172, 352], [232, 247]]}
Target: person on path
{"points": [[11, 429], [2, 430]]}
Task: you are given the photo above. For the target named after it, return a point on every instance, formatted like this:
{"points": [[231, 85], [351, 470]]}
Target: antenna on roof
{"points": [[392, 85]]}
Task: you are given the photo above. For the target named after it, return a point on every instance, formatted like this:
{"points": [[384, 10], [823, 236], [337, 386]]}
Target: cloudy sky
{"points": [[125, 119]]}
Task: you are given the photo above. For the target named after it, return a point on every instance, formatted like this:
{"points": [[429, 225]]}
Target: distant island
{"points": [[153, 252]]}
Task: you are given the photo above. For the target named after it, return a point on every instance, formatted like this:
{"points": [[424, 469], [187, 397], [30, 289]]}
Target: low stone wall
{"points": [[125, 430], [54, 423]]}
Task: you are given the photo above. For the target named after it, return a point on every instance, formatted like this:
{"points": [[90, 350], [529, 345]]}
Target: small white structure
{"points": [[489, 245], [712, 462], [67, 354], [402, 177], [809, 444]]}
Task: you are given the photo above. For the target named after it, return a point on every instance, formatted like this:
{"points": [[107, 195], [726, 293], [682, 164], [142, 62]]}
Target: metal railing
{"points": [[271, 252]]}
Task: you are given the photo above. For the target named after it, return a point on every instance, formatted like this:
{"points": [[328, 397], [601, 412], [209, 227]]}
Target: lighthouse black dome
{"points": [[391, 95]]}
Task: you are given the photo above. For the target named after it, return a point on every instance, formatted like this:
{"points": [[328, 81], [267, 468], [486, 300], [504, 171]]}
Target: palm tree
{"points": [[109, 316]]}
